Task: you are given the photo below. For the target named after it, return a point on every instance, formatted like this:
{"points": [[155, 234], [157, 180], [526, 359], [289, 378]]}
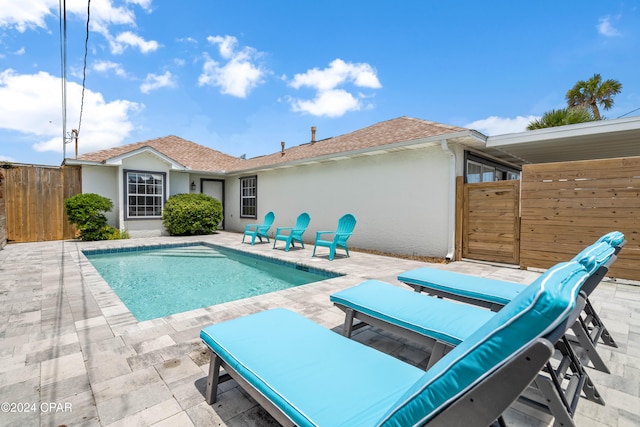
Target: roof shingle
{"points": [[201, 158]]}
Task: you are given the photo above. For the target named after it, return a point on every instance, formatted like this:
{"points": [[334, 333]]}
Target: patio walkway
{"points": [[72, 354]]}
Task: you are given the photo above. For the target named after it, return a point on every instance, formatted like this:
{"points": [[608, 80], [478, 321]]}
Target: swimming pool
{"points": [[163, 280]]}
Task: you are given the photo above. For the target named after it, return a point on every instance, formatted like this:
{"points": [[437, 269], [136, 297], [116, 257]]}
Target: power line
{"points": [[84, 68], [62, 13], [626, 114]]}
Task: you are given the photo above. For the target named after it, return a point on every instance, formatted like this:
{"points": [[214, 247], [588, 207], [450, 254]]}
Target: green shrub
{"points": [[86, 212], [188, 214]]}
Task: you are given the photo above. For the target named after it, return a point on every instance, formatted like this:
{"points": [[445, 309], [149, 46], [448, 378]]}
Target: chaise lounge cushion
{"points": [[500, 292], [317, 377], [314, 375], [535, 312], [442, 320]]}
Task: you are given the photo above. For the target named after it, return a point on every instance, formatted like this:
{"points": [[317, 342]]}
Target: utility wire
{"points": [[84, 68], [62, 13], [626, 114]]}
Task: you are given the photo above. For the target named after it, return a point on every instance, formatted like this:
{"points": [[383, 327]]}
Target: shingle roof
{"points": [[383, 133], [201, 158], [187, 153]]}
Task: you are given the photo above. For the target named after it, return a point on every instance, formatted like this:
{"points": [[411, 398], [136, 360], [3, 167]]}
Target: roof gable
{"points": [[177, 151]]}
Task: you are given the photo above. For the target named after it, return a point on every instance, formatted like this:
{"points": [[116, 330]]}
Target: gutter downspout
{"points": [[451, 224]]}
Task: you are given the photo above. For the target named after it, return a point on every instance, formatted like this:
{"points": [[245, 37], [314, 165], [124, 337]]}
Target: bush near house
{"points": [[191, 214], [86, 212]]}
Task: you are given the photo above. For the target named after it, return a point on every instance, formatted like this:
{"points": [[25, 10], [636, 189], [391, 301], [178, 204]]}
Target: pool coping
{"points": [[117, 314], [325, 273]]}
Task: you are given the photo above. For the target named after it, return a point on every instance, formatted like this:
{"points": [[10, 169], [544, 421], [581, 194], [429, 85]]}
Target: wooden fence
{"points": [[490, 220], [3, 211], [34, 202], [567, 206]]}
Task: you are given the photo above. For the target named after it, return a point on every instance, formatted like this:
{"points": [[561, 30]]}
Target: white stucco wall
{"points": [[400, 199], [102, 180]]}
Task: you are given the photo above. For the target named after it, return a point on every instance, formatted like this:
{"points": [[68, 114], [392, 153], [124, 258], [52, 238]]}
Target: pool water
{"points": [[159, 282]]}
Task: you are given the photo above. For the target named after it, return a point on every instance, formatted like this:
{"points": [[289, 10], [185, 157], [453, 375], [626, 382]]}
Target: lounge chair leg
{"points": [[213, 379], [437, 352], [582, 336], [348, 323]]}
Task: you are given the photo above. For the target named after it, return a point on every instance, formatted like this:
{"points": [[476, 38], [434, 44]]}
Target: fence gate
{"points": [[491, 221], [34, 200]]}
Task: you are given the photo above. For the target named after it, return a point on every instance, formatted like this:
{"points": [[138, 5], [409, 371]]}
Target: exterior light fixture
{"points": [[193, 186]]}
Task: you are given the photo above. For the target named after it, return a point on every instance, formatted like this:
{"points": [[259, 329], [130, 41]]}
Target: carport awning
{"points": [[584, 141]]}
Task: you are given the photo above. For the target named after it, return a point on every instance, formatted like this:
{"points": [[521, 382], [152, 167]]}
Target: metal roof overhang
{"points": [[584, 141]]}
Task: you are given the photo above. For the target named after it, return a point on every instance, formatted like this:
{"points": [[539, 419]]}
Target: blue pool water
{"points": [[167, 280]]}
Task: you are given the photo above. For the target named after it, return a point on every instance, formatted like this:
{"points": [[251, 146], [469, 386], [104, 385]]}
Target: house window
{"points": [[477, 172], [249, 197], [480, 169], [144, 194]]}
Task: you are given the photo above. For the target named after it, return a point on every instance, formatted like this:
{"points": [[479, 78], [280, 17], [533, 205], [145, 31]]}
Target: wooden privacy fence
{"points": [[490, 220], [567, 206], [34, 202]]}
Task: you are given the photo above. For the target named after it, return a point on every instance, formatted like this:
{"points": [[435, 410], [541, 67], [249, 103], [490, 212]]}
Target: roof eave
{"points": [[469, 136]]}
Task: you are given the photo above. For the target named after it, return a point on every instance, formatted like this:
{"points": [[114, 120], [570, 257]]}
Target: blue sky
{"points": [[242, 76]]}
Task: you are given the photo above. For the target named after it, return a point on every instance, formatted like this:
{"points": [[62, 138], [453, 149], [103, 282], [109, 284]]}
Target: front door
{"points": [[215, 189]]}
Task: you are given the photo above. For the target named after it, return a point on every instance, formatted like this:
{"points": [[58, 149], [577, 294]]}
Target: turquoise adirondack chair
{"points": [[259, 230], [293, 234], [346, 224]]}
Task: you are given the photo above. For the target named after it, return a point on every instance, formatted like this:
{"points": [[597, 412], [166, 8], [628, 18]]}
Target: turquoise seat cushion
{"points": [[534, 312], [478, 288], [595, 256], [614, 238], [314, 375], [442, 320], [490, 290]]}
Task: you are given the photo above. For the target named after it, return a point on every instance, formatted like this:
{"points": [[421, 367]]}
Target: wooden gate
{"points": [[490, 219], [34, 201]]}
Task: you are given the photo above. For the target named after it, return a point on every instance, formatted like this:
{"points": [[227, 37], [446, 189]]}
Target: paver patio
{"points": [[72, 354]]}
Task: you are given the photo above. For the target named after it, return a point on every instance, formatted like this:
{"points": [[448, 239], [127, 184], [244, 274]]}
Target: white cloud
{"points": [[330, 100], [239, 75], [154, 81], [26, 14], [4, 158], [226, 45], [500, 125], [31, 14], [328, 103], [338, 73], [106, 66], [606, 28], [126, 39], [30, 104]]}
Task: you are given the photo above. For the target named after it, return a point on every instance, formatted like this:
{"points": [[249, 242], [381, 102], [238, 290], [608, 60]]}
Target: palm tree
{"points": [[561, 117], [590, 93]]}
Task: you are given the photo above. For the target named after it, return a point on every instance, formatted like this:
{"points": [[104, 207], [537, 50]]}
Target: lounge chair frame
{"points": [[560, 387], [587, 330], [481, 405]]}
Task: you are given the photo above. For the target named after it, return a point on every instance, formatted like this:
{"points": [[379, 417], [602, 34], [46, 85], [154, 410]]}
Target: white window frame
{"points": [[144, 197], [249, 196]]}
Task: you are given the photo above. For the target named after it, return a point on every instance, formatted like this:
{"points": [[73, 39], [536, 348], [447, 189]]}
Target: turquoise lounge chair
{"points": [[346, 224], [306, 375], [444, 325], [494, 294], [293, 234], [259, 230]]}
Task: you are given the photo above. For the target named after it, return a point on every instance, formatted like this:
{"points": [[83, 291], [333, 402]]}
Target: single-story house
{"points": [[397, 177]]}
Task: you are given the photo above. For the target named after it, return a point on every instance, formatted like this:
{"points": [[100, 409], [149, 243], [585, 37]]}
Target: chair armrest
{"points": [[279, 229], [248, 226], [318, 233]]}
